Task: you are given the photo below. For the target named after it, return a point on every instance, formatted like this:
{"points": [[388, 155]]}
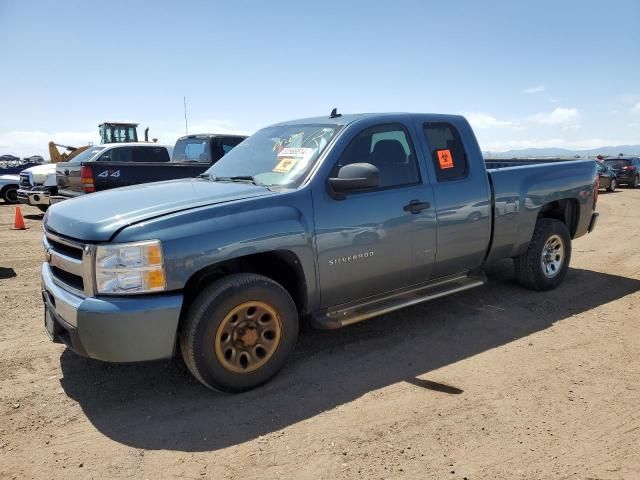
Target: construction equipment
{"points": [[56, 156], [121, 132], [110, 132]]}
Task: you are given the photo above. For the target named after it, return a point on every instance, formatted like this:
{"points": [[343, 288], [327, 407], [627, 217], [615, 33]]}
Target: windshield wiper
{"points": [[236, 178]]}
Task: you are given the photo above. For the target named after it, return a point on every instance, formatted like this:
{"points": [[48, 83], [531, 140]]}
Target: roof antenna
{"points": [[335, 114]]}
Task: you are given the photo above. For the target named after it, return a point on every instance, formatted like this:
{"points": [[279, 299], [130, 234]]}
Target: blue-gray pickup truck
{"points": [[330, 220]]}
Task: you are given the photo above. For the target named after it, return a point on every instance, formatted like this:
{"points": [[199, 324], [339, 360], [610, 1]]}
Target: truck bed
{"points": [[107, 175], [496, 163], [521, 187]]}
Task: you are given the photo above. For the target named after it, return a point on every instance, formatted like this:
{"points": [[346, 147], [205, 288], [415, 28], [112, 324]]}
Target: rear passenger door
{"points": [[462, 196]]}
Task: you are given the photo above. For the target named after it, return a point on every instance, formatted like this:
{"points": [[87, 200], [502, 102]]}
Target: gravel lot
{"points": [[497, 382]]}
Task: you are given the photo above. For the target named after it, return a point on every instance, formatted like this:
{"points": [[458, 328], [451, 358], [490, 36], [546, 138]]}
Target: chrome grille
{"points": [[70, 263]]}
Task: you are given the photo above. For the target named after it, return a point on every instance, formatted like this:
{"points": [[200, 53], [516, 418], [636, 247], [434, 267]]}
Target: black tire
{"points": [[10, 194], [529, 267], [42, 208], [612, 185], [635, 182], [209, 313]]}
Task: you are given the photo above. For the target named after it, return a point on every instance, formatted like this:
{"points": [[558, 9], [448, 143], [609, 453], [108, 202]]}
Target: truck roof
{"points": [[347, 118], [211, 135]]}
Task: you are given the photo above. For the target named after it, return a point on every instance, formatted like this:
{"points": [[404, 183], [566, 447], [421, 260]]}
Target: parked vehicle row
{"points": [[626, 169], [334, 219], [105, 167]]}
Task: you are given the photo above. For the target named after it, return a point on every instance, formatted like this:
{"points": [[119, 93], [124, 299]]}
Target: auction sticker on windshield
{"points": [[290, 157]]}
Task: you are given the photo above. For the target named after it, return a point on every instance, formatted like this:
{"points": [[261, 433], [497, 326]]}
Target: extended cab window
{"points": [[447, 151], [389, 148]]}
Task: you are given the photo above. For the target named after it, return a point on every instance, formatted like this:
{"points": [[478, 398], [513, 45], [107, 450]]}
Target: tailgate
{"points": [[68, 178], [109, 175]]}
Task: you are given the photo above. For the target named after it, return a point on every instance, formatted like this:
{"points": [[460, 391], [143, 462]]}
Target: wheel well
{"points": [[7, 187], [565, 210], [281, 266]]}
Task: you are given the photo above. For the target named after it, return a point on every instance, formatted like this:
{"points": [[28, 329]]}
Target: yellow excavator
{"points": [[110, 132]]}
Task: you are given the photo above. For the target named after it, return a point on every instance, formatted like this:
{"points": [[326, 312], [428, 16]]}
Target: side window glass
{"points": [[121, 154], [389, 148], [229, 143], [150, 154], [447, 151]]}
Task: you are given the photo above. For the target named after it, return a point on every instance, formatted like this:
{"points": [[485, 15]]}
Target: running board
{"points": [[349, 314]]}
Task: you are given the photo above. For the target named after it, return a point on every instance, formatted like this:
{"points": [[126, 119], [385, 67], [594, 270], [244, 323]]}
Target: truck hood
{"points": [[98, 216], [44, 169]]}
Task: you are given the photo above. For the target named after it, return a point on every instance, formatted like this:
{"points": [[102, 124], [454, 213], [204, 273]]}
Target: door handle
{"points": [[416, 206]]}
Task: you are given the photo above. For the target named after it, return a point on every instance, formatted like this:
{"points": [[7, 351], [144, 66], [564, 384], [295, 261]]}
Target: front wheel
{"points": [[612, 185], [545, 263], [239, 332], [10, 194]]}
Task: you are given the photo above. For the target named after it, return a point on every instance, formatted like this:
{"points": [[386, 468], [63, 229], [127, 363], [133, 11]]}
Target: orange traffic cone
{"points": [[18, 223]]}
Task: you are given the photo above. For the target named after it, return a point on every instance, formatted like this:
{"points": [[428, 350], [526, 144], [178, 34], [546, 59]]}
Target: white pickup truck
{"points": [[37, 184]]}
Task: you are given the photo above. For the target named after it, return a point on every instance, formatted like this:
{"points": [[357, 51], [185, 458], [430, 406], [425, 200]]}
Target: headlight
{"points": [[127, 268]]}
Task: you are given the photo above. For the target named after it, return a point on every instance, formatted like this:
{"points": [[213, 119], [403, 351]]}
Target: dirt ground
{"points": [[494, 383]]}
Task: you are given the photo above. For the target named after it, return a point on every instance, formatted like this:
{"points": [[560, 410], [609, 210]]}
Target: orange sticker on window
{"points": [[445, 159]]}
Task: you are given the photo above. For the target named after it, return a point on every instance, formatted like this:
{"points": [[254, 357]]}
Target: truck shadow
{"points": [[159, 405]]}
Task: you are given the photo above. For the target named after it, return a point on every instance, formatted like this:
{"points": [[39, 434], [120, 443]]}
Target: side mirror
{"points": [[356, 176]]}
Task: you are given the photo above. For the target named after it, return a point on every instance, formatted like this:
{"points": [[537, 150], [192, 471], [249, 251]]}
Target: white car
{"points": [[9, 188], [37, 184]]}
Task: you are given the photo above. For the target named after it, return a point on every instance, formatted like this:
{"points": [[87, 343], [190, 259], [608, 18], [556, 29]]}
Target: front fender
{"points": [[201, 237]]}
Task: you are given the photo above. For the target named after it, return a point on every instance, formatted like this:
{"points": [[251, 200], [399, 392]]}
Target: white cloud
{"points": [[636, 108], [559, 116], [532, 90], [483, 120]]}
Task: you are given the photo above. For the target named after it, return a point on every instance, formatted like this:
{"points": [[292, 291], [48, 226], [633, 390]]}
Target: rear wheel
{"points": [[10, 194], [239, 332], [612, 185], [545, 263], [635, 182]]}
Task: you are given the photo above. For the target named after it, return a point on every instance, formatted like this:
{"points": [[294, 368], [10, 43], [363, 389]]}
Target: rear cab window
{"points": [[195, 149], [447, 151]]}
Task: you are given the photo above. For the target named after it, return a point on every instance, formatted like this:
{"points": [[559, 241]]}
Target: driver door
{"points": [[370, 242]]}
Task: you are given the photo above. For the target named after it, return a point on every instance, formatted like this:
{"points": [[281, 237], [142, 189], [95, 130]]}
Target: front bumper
{"points": [[34, 197], [112, 329]]}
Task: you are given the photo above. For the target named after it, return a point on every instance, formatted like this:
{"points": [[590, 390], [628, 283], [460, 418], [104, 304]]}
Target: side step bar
{"points": [[373, 307]]}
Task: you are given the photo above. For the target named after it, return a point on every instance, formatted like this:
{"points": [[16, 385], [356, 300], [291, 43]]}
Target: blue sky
{"points": [[526, 73]]}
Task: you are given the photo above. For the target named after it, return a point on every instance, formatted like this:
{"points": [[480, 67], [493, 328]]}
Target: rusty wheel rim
{"points": [[247, 337]]}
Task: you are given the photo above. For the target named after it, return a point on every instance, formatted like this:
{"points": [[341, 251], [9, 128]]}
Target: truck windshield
{"points": [[86, 155], [278, 155]]}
